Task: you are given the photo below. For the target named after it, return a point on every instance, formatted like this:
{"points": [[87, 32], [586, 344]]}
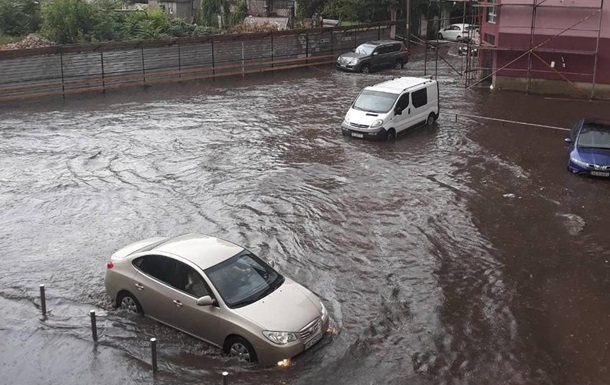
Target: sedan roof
{"points": [[202, 250]]}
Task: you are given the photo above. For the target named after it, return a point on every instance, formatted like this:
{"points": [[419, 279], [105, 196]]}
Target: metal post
{"points": [[153, 350], [43, 301], [103, 74], [179, 61], [242, 60], [93, 325], [143, 65], [529, 54], [599, 30], [306, 49], [332, 37], [272, 49], [61, 60], [408, 31], [213, 61], [225, 378]]}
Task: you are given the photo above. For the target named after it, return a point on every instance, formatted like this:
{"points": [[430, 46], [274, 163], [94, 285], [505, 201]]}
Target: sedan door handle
{"points": [[178, 303], [139, 286]]}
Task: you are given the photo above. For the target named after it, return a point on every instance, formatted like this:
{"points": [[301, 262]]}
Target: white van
{"points": [[384, 110]]}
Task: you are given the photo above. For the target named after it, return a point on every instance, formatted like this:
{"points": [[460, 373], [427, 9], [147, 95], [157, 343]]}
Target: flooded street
{"points": [[462, 253]]}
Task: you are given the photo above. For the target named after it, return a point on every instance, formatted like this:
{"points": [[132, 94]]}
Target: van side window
{"points": [[403, 102], [420, 98]]}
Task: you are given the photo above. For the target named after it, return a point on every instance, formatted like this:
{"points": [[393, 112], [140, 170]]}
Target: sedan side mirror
{"points": [[568, 140], [375, 53], [206, 300]]}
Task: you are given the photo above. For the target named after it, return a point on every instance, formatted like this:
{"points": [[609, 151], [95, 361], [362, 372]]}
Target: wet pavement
{"points": [[463, 253]]}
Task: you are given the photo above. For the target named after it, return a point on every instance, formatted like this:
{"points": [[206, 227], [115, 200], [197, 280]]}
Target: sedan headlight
{"points": [[354, 61], [280, 338], [579, 162], [377, 123], [324, 311]]}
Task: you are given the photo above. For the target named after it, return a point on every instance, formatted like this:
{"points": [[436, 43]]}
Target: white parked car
{"points": [[459, 32]]}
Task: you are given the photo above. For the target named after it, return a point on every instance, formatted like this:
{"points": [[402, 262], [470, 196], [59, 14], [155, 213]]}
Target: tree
{"points": [[67, 21], [19, 17]]}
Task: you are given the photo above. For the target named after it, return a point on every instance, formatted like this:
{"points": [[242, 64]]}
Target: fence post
{"points": [[153, 350], [379, 33], [61, 61], [332, 36], [143, 65], [179, 61], [272, 51], [225, 378], [43, 301], [93, 325], [103, 74], [307, 49], [213, 61]]}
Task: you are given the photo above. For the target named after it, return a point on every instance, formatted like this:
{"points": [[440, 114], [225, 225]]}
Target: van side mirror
{"points": [[397, 111], [206, 300]]}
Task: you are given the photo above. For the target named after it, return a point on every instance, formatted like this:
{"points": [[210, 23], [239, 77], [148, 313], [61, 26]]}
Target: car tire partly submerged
{"points": [[431, 119], [398, 65], [238, 347], [365, 69], [126, 301], [391, 135]]}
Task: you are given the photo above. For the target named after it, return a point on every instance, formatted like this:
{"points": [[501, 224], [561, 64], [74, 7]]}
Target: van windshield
{"points": [[375, 101]]}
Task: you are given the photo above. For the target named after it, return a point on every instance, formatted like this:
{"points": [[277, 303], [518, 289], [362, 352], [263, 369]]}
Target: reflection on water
{"points": [[431, 274]]}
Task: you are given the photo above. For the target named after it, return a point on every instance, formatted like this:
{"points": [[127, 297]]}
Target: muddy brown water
{"points": [[463, 253]]}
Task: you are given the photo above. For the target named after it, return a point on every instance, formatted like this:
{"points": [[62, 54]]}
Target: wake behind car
{"points": [[373, 56], [589, 146], [219, 292], [386, 109]]}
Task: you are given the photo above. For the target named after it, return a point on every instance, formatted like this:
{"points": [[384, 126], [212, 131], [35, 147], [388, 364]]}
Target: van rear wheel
{"points": [[431, 119]]}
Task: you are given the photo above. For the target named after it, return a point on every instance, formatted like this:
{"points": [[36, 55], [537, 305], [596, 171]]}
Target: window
{"points": [[157, 266], [491, 13], [420, 98], [173, 273], [403, 102]]}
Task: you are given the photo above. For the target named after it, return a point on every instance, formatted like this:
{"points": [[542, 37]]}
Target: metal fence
{"points": [[73, 69]]}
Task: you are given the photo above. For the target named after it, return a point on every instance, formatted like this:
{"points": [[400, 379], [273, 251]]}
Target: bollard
{"points": [[153, 349], [225, 378], [43, 301], [456, 117], [93, 325]]}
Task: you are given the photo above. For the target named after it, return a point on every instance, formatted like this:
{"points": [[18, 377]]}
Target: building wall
{"points": [[565, 34]]}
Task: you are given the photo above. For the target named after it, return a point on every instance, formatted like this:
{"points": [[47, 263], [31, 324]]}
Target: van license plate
{"points": [[357, 135], [312, 341], [597, 173]]}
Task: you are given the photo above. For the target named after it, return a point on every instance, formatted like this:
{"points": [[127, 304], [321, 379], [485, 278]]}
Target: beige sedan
{"points": [[219, 292]]}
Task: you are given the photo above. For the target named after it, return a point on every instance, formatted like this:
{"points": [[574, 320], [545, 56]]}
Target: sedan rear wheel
{"points": [[237, 347], [127, 301], [398, 64]]}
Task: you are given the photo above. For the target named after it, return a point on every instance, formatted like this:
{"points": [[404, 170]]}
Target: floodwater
{"points": [[462, 253]]}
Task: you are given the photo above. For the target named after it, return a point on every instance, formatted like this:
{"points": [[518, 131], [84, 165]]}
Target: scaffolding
{"points": [[479, 71]]}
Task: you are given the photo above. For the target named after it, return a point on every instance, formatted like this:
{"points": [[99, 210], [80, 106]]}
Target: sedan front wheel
{"points": [[238, 347]]}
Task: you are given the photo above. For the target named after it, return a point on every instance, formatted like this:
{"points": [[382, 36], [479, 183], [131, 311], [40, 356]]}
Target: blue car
{"points": [[589, 145]]}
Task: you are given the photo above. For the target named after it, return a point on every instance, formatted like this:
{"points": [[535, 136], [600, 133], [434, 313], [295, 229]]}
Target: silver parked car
{"points": [[219, 292]]}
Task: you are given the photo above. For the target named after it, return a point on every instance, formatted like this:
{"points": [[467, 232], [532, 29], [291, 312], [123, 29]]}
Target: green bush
{"points": [[19, 17]]}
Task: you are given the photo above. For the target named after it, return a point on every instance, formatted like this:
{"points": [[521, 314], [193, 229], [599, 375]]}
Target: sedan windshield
{"points": [[594, 136], [365, 49], [375, 101], [243, 279]]}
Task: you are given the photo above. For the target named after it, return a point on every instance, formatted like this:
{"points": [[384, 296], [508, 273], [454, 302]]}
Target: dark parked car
{"points": [[374, 55], [589, 145]]}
